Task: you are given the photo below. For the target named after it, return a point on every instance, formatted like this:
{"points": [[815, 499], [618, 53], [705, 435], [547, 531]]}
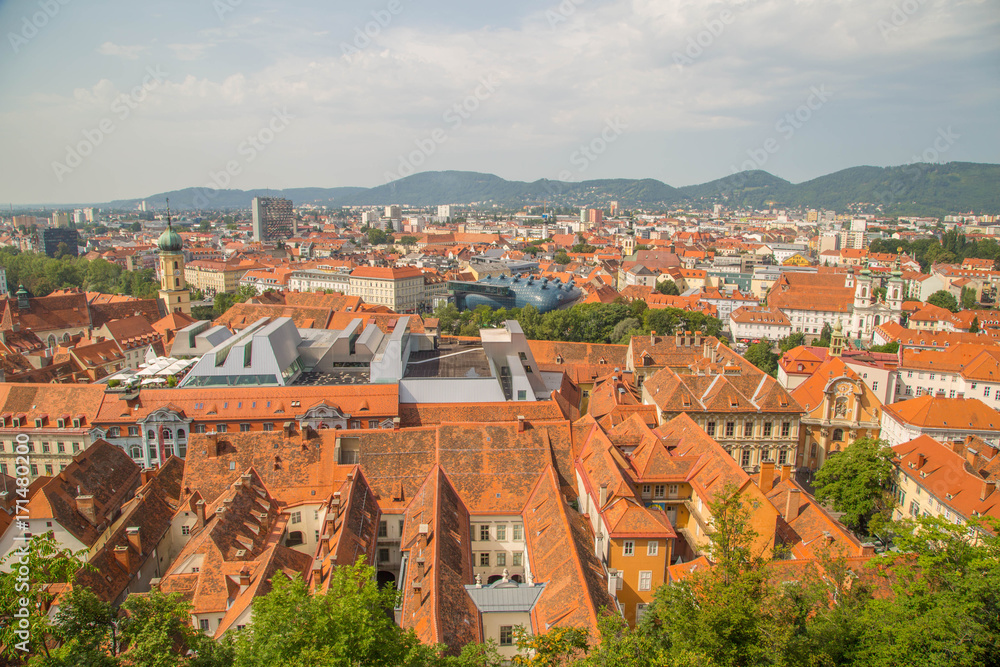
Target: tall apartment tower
{"points": [[173, 288], [273, 219], [393, 212]]}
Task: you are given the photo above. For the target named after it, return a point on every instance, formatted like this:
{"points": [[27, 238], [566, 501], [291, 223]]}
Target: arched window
{"points": [[180, 433], [66, 337], [52, 340], [175, 265], [135, 452], [150, 434], [838, 435], [168, 434], [294, 539]]}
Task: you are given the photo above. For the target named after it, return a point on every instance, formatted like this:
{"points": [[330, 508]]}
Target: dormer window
{"points": [[61, 423], [76, 422], [38, 422]]}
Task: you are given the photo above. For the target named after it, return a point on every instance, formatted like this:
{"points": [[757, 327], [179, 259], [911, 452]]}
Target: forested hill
{"points": [[915, 189]]}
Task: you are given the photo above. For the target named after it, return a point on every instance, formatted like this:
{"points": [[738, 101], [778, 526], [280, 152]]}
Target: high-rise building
{"points": [[370, 218], [60, 219], [393, 212], [49, 239], [24, 220], [595, 216], [273, 219], [444, 212], [90, 214], [78, 217], [173, 288]]}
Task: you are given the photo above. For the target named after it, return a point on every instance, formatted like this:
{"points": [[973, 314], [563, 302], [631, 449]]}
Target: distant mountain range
{"points": [[914, 189]]}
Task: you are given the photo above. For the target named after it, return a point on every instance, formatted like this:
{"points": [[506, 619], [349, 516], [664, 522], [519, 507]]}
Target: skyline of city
{"points": [[303, 97]]}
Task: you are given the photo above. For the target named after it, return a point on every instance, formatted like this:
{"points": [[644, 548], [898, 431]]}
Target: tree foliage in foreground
{"points": [[857, 482]]}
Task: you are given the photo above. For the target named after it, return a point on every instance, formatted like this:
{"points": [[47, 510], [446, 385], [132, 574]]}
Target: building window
{"points": [[244, 428], [185, 530], [782, 456], [672, 490], [501, 532], [383, 555], [484, 559], [875, 385], [506, 635], [383, 529], [838, 435], [986, 392], [296, 517], [730, 429], [659, 491], [203, 624], [767, 429], [34, 470], [748, 430], [222, 428], [745, 458], [518, 532], [200, 428], [522, 395], [372, 423], [710, 428], [645, 580], [61, 447], [628, 549], [268, 427], [48, 469], [914, 508], [484, 532], [653, 548], [786, 429], [640, 611], [516, 559]]}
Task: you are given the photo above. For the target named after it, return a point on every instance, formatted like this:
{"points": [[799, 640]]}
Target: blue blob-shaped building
{"points": [[514, 292]]}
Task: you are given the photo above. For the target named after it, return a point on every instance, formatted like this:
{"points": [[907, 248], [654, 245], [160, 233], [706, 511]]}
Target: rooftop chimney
{"points": [[792, 508], [603, 496], [921, 460], [520, 423], [199, 510], [132, 532], [396, 423], [987, 489], [124, 557], [766, 479], [867, 549], [146, 474], [85, 506], [971, 455], [244, 578], [786, 473], [652, 338]]}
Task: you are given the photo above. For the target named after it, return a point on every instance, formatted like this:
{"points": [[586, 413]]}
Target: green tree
{"points": [[156, 631], [348, 625], [891, 348], [558, 646], [223, 301], [943, 609], [856, 482], [974, 325], [668, 287], [792, 341], [969, 298], [135, 227], [378, 237], [408, 240], [944, 299], [44, 562], [761, 356], [562, 258]]}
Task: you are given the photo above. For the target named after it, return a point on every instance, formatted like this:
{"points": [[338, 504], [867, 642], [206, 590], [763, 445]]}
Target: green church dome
{"points": [[170, 241]]}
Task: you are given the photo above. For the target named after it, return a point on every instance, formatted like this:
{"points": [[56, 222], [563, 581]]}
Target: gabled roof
{"points": [[937, 412], [436, 535]]}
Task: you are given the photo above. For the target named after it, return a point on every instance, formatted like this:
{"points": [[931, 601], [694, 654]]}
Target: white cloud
{"points": [[121, 51], [189, 51]]}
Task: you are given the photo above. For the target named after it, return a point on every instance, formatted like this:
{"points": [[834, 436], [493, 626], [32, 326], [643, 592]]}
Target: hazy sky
{"points": [[119, 98]]}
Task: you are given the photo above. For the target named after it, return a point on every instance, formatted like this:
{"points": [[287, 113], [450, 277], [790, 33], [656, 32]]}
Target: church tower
{"points": [[837, 340], [173, 288]]}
